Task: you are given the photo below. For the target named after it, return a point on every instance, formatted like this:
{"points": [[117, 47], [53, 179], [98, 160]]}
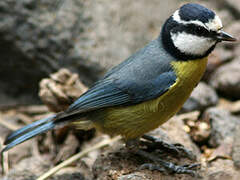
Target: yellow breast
{"points": [[133, 121]]}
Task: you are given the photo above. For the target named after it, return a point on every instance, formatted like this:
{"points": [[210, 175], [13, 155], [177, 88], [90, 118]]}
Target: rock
{"points": [[225, 15], [227, 79], [223, 125], [198, 129], [27, 175], [223, 151], [20, 152], [35, 40], [31, 167], [222, 169], [71, 175], [233, 107], [232, 5], [19, 175], [236, 148], [236, 52], [133, 176], [64, 150], [79, 172], [123, 165], [217, 58], [174, 128], [60, 90], [28, 168], [203, 96], [88, 37], [234, 30]]}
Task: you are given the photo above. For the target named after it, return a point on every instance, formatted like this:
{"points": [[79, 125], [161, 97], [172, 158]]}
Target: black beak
{"points": [[223, 36]]}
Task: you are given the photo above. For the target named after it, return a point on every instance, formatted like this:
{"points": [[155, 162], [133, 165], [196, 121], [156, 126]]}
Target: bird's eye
{"points": [[200, 31]]}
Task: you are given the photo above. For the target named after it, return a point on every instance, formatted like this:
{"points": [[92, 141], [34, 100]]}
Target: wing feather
{"points": [[115, 93]]}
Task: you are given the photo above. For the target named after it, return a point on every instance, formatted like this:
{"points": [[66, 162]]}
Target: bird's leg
{"points": [[153, 143], [159, 164], [164, 166]]}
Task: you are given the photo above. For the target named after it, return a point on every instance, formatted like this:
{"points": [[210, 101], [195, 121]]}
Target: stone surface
{"points": [[217, 58], [35, 37], [227, 79], [88, 37], [203, 96], [222, 169], [174, 128], [28, 175], [32, 167], [197, 127], [234, 29], [29, 168], [133, 176], [122, 164], [236, 148], [223, 125], [232, 5], [60, 90]]}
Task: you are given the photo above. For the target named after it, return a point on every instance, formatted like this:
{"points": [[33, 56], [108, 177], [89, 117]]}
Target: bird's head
{"points": [[192, 32]]}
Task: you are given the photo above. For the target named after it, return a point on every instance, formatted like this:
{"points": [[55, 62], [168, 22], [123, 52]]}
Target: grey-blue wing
{"points": [[111, 93], [103, 94], [145, 75]]}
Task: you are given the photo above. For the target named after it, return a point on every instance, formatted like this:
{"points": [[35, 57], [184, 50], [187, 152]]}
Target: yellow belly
{"points": [[133, 121]]}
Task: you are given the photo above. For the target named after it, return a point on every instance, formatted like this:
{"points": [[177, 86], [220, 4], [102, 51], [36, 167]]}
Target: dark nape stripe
{"points": [[173, 26]]}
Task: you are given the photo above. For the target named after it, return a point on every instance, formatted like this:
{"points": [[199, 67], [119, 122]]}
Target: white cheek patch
{"points": [[190, 44]]}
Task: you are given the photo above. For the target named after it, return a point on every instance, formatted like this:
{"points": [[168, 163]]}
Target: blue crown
{"points": [[192, 11]]}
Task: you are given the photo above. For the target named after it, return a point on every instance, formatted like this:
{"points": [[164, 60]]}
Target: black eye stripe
{"points": [[196, 30], [193, 29]]}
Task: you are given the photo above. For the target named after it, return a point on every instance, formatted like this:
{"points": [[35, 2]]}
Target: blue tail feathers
{"points": [[29, 131]]}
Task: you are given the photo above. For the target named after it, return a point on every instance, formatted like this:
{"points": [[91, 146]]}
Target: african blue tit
{"points": [[149, 87]]}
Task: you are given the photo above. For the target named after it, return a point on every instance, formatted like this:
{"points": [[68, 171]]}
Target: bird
{"points": [[146, 89]]}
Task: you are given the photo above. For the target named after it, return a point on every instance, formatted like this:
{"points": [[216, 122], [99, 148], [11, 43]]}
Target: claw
{"points": [[172, 168], [177, 148], [164, 166], [152, 167], [192, 166], [158, 164]]}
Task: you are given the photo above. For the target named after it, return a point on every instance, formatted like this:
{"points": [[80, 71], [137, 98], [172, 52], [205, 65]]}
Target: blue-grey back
{"points": [[145, 75], [145, 64]]}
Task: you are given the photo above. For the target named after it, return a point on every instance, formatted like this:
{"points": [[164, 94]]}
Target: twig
{"points": [[24, 118], [77, 156], [8, 125], [4, 107], [233, 107], [4, 160], [33, 109], [189, 115]]}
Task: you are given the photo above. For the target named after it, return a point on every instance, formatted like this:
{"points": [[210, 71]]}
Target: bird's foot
{"points": [[167, 167], [153, 144], [147, 149]]}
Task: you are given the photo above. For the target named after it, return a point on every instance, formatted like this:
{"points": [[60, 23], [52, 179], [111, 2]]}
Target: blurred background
{"points": [[40, 38]]}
